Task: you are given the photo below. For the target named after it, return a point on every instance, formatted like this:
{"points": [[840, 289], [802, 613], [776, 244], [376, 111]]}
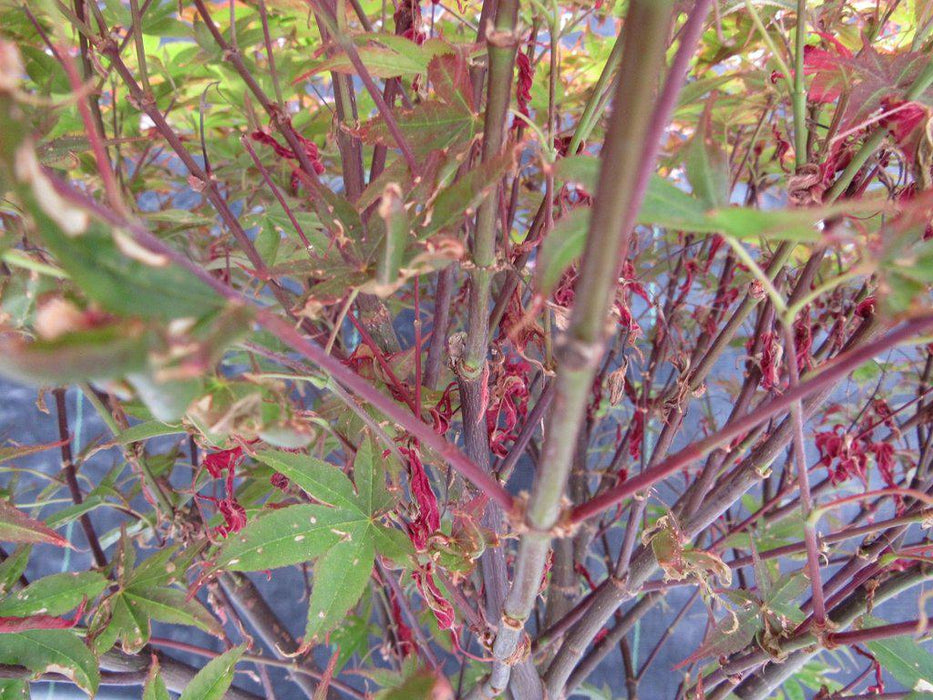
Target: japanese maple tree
{"points": [[469, 349]]}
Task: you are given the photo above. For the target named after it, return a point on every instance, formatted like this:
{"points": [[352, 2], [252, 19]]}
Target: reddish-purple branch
{"points": [[870, 634], [331, 366], [832, 371]]}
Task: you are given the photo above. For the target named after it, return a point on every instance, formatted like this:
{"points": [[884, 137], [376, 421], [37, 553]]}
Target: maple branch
{"points": [[870, 634], [799, 94], [147, 104], [805, 647], [176, 674], [731, 487], [346, 43], [252, 606], [832, 371], [877, 137], [647, 26], [305, 347], [803, 480], [608, 643], [71, 479], [278, 118], [471, 367]]}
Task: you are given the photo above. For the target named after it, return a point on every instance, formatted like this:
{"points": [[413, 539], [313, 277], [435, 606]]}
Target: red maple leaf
{"points": [[827, 69]]}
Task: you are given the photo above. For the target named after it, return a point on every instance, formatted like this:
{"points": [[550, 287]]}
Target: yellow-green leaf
{"points": [[61, 651], [292, 535], [340, 577], [213, 680]]}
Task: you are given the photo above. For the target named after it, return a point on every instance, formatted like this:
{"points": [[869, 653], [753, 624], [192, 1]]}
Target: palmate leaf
{"points": [[53, 595], [146, 431], [155, 687], [128, 623], [420, 684], [322, 481], [352, 637], [9, 453], [105, 262], [213, 680], [370, 479], [145, 594], [342, 539], [395, 239], [563, 245], [171, 606], [430, 126], [127, 617], [97, 354], [59, 651], [343, 544], [730, 635], [14, 690], [868, 75], [384, 55], [778, 611], [124, 285], [391, 543], [457, 201], [707, 168], [123, 278], [669, 207], [292, 535], [449, 75], [143, 353], [12, 567], [328, 484], [161, 568], [340, 577]]}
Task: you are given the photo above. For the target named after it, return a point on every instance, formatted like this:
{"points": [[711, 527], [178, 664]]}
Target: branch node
{"points": [[522, 652], [576, 354], [106, 45], [503, 38]]}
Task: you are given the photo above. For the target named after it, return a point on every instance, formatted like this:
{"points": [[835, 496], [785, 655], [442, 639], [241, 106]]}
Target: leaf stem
{"points": [[788, 74], [346, 43], [502, 46], [71, 479]]}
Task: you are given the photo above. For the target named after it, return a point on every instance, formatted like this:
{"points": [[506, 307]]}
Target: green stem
{"points": [[591, 111], [580, 349], [800, 89], [140, 49], [763, 278], [772, 47], [502, 46], [858, 161]]}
